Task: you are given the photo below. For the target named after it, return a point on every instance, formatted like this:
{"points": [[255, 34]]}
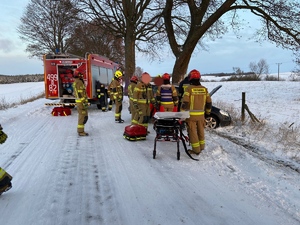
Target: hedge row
{"points": [[4, 79]]}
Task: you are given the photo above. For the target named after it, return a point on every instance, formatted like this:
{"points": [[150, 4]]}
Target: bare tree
{"points": [[87, 37], [238, 71], [138, 23], [295, 75], [138, 71], [280, 24], [296, 70], [259, 69], [46, 25]]}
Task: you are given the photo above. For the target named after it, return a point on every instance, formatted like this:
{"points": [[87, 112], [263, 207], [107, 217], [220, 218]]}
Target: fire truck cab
{"points": [[58, 75]]}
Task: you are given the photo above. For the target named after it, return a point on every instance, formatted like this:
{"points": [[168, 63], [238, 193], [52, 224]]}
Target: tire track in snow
{"points": [[32, 136], [34, 133], [84, 186], [239, 161], [254, 150]]}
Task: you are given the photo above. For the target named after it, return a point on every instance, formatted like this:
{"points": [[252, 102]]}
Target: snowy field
{"points": [[15, 93], [244, 176]]}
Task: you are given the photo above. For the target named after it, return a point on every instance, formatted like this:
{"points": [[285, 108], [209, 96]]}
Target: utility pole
{"points": [[278, 69]]}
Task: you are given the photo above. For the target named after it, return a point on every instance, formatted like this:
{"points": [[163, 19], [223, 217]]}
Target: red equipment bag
{"points": [[61, 111], [135, 132]]}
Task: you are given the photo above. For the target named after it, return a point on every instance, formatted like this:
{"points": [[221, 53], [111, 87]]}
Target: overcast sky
{"points": [[223, 54]]}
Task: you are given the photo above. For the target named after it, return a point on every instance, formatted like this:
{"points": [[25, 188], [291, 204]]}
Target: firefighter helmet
{"points": [[194, 74], [166, 76], [134, 79], [77, 74], [118, 74]]}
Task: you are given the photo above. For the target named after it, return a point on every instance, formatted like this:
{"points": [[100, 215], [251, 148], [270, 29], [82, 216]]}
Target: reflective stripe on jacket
{"points": [[143, 94], [2, 173], [116, 90], [131, 87], [197, 100], [79, 90]]}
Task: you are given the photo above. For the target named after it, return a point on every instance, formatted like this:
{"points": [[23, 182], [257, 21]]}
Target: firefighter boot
{"points": [[192, 152], [5, 181], [5, 187], [119, 120], [83, 134]]}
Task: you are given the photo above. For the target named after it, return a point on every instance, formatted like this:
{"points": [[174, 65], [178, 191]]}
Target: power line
{"points": [[278, 69]]}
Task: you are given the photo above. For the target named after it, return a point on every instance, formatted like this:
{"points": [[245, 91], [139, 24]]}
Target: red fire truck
{"points": [[58, 69]]}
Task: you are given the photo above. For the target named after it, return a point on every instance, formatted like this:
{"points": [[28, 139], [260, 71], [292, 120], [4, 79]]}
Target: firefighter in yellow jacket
{"points": [[81, 102], [100, 91], [142, 97], [5, 178], [131, 86], [166, 95], [117, 93], [197, 101]]}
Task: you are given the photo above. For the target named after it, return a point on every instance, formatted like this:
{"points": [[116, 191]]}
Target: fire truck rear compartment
{"points": [[65, 81]]}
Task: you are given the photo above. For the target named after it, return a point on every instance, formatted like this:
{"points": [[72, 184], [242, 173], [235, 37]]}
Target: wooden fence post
{"points": [[243, 106]]}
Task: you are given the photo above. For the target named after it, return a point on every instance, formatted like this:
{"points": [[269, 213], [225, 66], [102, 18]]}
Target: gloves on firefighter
{"points": [[85, 103], [85, 100], [3, 137], [135, 105], [157, 106], [207, 112], [184, 107], [119, 99]]}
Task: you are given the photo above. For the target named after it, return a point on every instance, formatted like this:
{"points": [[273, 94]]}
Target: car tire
{"points": [[212, 122]]}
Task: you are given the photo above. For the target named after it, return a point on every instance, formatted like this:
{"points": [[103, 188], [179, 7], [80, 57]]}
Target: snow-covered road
{"points": [[62, 179]]}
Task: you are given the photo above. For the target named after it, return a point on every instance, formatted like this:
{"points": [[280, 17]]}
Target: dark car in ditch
{"points": [[218, 117]]}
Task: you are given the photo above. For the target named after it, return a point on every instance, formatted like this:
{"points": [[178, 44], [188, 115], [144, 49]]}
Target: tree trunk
{"points": [[129, 57], [181, 66]]}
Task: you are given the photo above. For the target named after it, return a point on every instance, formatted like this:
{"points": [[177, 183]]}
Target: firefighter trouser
{"points": [[110, 103], [5, 180], [118, 109], [102, 101], [166, 107], [135, 116], [82, 117], [3, 137], [143, 115], [195, 129], [133, 112]]}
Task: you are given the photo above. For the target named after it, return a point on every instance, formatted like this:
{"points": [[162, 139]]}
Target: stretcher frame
{"points": [[169, 127]]}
